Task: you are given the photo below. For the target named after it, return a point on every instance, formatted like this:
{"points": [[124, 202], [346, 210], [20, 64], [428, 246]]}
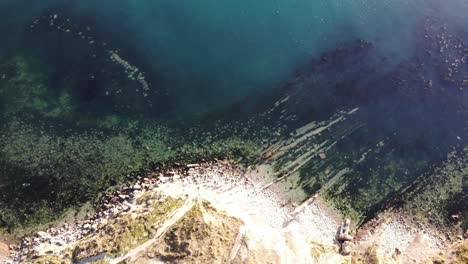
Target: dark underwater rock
{"points": [[93, 71]]}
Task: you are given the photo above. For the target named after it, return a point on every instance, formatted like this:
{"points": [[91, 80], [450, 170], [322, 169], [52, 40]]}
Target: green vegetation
{"points": [[442, 192], [49, 260], [124, 233], [203, 235]]}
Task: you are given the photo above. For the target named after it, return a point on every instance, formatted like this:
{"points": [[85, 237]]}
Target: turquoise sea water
{"points": [[208, 53], [215, 51]]}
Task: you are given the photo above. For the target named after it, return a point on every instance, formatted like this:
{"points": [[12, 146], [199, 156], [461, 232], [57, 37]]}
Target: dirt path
{"points": [[238, 243], [178, 214]]}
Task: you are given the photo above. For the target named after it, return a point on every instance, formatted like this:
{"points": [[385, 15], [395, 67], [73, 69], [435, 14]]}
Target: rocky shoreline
{"points": [[111, 204], [268, 227], [216, 176]]}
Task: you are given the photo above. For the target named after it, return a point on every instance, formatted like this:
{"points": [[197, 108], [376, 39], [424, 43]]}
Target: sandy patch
{"points": [[4, 252]]}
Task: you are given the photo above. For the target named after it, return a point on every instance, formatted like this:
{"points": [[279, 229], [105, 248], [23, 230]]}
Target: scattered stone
{"points": [[41, 234], [455, 217]]}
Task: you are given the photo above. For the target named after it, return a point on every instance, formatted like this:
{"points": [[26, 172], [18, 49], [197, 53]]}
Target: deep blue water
{"points": [[206, 54]]}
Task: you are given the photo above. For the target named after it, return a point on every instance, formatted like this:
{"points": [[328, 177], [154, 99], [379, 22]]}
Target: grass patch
{"points": [[124, 233]]}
